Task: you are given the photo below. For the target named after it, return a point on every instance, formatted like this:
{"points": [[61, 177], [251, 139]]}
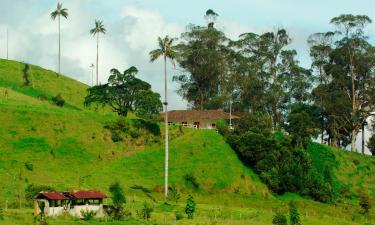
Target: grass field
{"points": [[70, 148]]}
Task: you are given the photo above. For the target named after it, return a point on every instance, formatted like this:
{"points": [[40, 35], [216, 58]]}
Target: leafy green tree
{"points": [[58, 100], [123, 93], [279, 219], [190, 207], [293, 214], [145, 212], [118, 200], [59, 11], [174, 194], [167, 50], [98, 29]]}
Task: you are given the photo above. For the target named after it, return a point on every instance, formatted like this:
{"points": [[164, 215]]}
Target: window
{"points": [[184, 124], [196, 124], [213, 125]]}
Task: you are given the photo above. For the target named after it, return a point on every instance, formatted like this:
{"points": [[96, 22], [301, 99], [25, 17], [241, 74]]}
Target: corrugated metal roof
{"points": [[87, 194], [50, 196], [198, 115]]}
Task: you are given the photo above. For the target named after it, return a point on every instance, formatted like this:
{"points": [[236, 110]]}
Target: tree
{"points": [[99, 28], [353, 44], [145, 212], [279, 219], [25, 71], [118, 200], [190, 207], [60, 11], [167, 50], [293, 214], [124, 92]]}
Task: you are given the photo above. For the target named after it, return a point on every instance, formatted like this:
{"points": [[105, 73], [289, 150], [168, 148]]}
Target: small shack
{"points": [[52, 203], [204, 119], [71, 202]]}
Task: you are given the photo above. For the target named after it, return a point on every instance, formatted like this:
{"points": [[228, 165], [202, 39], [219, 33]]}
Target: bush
{"points": [[279, 219], [25, 71], [58, 100], [293, 214], [118, 199], [29, 166], [365, 202], [173, 194], [116, 137], [222, 127], [87, 214], [190, 207], [145, 212], [191, 179], [1, 213], [178, 215]]}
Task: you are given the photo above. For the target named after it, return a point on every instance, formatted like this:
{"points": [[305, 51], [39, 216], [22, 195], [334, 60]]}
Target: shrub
{"points": [[116, 137], [178, 215], [279, 219], [87, 214], [58, 100], [145, 212], [25, 71], [118, 199], [364, 202], [190, 207], [191, 179], [293, 214], [1, 213], [29, 166], [173, 194], [222, 127]]}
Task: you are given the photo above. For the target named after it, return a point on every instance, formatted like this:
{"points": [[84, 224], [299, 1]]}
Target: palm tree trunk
{"points": [[166, 129], [59, 48], [97, 60]]}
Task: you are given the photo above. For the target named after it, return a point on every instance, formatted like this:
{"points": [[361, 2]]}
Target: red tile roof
{"points": [[198, 115], [87, 194], [50, 196]]}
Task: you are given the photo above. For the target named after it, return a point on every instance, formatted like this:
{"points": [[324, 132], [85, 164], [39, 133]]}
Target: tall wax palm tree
{"points": [[60, 11], [99, 28], [167, 51]]}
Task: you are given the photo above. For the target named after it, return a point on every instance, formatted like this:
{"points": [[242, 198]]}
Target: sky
{"points": [[134, 25]]}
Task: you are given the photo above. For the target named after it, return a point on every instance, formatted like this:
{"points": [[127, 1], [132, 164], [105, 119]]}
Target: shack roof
{"points": [[198, 115], [86, 194], [50, 196]]}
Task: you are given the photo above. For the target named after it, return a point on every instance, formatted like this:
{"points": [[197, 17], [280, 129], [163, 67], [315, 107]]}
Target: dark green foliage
{"points": [[32, 189], [173, 194], [145, 212], [365, 202], [29, 166], [279, 219], [25, 76], [118, 200], [191, 180], [178, 215], [190, 207], [124, 92], [294, 214], [151, 126], [87, 214], [2, 214], [58, 100], [222, 127], [371, 144]]}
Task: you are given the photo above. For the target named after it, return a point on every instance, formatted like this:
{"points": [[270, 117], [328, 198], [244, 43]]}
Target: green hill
{"points": [[73, 148]]}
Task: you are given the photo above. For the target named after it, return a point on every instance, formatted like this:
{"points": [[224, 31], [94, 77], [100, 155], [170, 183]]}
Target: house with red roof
{"points": [[71, 202]]}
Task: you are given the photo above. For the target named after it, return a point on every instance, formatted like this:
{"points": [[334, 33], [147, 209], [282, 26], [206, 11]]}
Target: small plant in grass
{"points": [[178, 215], [293, 214], [1, 214], [87, 214], [145, 212], [29, 166], [279, 219], [365, 202], [173, 194], [118, 199], [190, 207], [190, 178], [58, 100]]}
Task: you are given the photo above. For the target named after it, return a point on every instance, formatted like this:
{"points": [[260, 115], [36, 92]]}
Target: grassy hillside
{"points": [[70, 148]]}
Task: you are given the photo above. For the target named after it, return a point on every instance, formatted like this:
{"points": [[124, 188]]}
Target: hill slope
{"points": [[70, 148]]}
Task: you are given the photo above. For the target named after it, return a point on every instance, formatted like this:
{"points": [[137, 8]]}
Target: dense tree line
{"points": [[260, 73]]}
